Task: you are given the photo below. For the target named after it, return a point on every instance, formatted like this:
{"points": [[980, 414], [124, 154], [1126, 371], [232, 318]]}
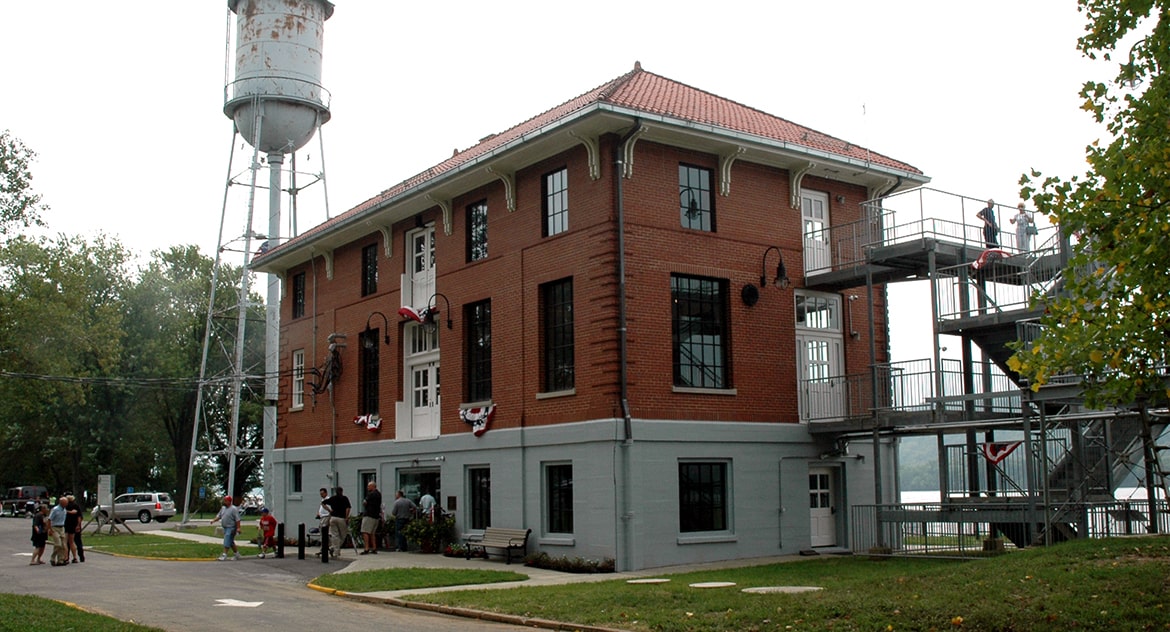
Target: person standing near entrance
{"points": [[72, 524], [339, 510], [426, 505], [401, 512], [990, 226], [371, 517]]}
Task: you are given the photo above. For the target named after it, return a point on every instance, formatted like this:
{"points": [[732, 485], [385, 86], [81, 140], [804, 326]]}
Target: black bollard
{"points": [[301, 541], [280, 540], [325, 546]]}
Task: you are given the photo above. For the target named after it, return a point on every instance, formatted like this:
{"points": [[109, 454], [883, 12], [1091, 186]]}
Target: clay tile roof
{"points": [[642, 91]]}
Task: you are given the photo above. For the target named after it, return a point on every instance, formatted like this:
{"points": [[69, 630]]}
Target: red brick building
{"points": [[594, 279]]}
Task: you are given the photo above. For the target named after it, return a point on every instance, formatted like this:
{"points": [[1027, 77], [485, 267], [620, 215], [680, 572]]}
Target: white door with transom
{"points": [[422, 380], [822, 506], [420, 267], [821, 388], [814, 211]]}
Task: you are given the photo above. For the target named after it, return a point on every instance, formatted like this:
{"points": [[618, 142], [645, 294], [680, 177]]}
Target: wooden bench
{"points": [[496, 538]]}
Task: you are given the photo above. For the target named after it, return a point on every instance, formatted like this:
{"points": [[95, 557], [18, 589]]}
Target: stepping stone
{"points": [[649, 580], [712, 584], [763, 590]]}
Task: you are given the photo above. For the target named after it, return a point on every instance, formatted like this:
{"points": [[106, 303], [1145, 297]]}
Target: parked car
{"points": [[145, 506]]}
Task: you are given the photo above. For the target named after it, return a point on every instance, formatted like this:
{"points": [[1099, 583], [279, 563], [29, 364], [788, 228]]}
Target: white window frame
{"points": [[298, 379]]}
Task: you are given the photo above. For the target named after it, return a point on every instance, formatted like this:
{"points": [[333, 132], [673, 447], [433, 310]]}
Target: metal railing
{"points": [[922, 213], [909, 386], [962, 529]]}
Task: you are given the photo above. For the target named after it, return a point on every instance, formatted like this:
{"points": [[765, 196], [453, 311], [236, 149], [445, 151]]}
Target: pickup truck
{"points": [[20, 500]]}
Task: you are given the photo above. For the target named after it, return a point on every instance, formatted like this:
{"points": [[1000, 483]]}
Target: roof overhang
{"points": [[592, 121]]}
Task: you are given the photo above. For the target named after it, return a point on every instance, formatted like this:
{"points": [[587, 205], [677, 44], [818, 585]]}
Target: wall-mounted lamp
{"points": [[369, 342], [840, 199], [426, 315], [781, 273], [433, 308]]}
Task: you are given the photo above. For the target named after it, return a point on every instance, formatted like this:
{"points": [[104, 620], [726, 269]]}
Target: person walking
{"points": [[267, 532], [339, 510], [371, 518], [228, 518], [401, 512], [40, 533], [60, 555]]}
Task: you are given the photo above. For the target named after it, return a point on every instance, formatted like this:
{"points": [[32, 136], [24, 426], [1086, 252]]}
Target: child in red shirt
{"points": [[267, 532]]}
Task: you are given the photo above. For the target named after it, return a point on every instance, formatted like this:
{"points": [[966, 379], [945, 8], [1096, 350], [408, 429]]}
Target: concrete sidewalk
{"points": [[355, 562]]}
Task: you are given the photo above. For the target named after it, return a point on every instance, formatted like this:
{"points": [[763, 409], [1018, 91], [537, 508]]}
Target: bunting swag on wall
{"points": [[478, 418], [996, 452]]}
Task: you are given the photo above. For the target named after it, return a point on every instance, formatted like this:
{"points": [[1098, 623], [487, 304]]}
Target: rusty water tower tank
{"points": [[278, 69]]}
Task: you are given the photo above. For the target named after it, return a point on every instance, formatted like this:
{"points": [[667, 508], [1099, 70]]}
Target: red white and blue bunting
{"points": [[996, 452], [478, 418], [373, 423]]}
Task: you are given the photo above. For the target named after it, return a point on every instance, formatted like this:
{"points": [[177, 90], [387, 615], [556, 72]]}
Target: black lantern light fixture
{"points": [[781, 281], [433, 308], [369, 342]]}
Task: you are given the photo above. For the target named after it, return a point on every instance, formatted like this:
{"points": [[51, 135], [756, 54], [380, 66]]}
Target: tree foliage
{"points": [[99, 367], [1112, 322], [18, 203]]}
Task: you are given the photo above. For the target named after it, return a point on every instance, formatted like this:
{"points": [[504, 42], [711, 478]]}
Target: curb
{"points": [[467, 613]]}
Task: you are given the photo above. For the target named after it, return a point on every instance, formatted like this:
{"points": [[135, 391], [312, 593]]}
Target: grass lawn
{"points": [[27, 612], [158, 546], [1114, 584], [403, 578]]}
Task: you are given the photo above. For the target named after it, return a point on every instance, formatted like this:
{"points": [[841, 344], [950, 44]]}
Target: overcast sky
{"points": [[123, 101]]}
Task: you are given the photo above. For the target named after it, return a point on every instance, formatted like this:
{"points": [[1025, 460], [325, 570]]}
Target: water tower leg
{"points": [[272, 329]]}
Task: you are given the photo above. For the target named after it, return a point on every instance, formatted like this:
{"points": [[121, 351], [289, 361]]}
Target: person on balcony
{"points": [[1025, 228], [990, 226]]}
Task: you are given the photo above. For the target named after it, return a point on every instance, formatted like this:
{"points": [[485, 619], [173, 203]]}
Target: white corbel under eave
{"points": [[795, 178], [445, 207], [725, 162], [387, 240], [594, 152], [628, 153], [509, 180], [328, 257]]}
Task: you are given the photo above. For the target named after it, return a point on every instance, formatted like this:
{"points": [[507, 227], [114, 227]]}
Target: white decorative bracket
{"points": [[328, 257], [628, 152], [725, 163], [509, 180], [594, 152], [795, 178], [387, 240], [445, 207]]}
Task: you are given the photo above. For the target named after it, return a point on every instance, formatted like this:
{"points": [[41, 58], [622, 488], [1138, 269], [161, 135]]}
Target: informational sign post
{"points": [[105, 491]]}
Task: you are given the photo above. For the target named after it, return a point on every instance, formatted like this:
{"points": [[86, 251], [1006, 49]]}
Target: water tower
{"points": [[276, 103]]}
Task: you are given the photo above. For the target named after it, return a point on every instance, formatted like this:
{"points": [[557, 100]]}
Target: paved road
{"points": [[182, 596]]}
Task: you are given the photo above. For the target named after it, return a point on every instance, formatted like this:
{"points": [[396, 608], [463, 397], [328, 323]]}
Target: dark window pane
{"points": [[477, 235], [559, 498], [702, 497], [556, 202], [479, 351], [369, 269], [557, 306], [699, 332], [696, 204], [298, 295]]}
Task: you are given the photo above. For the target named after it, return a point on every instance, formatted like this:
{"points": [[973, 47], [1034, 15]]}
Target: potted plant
{"points": [[430, 535]]}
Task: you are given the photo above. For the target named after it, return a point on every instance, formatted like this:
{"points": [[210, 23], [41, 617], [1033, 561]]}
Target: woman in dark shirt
{"points": [[40, 534]]}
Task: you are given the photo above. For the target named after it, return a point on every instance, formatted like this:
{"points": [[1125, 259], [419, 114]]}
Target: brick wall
{"points": [[755, 215]]}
